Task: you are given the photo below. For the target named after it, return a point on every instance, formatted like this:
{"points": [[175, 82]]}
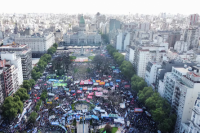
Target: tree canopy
{"points": [[33, 117], [22, 94], [11, 107]]}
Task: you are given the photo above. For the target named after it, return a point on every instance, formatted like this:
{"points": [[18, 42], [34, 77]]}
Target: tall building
{"points": [[16, 61], [9, 79], [114, 24], [193, 19], [186, 91], [26, 57], [191, 36], [145, 26], [144, 54]]}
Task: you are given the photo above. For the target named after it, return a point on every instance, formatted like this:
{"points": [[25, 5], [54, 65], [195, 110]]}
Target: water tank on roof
{"points": [[189, 69], [198, 65], [195, 71]]}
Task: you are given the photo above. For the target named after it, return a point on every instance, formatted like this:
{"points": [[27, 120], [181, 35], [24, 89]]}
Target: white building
{"points": [[181, 46], [193, 126], [38, 43], [145, 54], [151, 71], [193, 19], [15, 61], [123, 40], [186, 91]]}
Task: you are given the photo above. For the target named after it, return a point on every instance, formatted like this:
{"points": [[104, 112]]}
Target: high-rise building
{"points": [[193, 19], [16, 61], [26, 57]]}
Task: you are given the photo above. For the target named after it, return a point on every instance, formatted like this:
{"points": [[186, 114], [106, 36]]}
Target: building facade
{"points": [[25, 53]]}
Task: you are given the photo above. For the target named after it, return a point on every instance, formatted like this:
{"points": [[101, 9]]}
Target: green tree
{"points": [[145, 94], [51, 50], [165, 125], [32, 82], [11, 107], [37, 107], [33, 117], [127, 69], [55, 45], [26, 85], [158, 114], [137, 83], [22, 93], [35, 75]]}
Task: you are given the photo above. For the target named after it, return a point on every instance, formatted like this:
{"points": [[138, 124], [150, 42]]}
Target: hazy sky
{"points": [[102, 6]]}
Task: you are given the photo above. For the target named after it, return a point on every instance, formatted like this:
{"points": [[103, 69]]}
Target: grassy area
{"points": [[73, 106], [91, 57], [114, 129], [72, 57]]}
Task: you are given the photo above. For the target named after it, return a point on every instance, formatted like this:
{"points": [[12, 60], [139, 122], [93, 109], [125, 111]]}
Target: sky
{"points": [[103, 6]]}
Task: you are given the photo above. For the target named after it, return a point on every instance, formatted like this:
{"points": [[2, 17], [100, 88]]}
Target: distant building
{"points": [[193, 19], [38, 43]]}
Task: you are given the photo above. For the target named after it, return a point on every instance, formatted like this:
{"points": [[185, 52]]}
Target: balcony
{"points": [[196, 110]]}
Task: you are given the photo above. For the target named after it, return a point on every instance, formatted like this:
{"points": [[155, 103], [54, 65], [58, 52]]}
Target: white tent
{"points": [[119, 120], [122, 105], [36, 87]]}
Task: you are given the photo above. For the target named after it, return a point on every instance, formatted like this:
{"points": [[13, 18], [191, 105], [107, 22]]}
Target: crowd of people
{"points": [[91, 96]]}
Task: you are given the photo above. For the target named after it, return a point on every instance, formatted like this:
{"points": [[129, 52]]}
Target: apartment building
{"points": [[144, 54], [186, 91], [25, 53], [16, 61]]}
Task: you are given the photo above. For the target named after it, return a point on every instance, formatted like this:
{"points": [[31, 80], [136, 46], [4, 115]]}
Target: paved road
{"points": [[80, 128]]}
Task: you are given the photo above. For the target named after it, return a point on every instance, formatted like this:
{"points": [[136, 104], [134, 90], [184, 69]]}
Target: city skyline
{"points": [[105, 7]]}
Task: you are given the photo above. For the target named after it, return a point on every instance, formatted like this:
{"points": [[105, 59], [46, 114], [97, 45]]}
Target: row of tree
{"points": [[14, 105], [159, 108], [52, 49], [125, 66]]}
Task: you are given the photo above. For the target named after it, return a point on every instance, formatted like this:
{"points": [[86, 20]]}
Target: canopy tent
{"points": [[119, 120], [111, 83], [91, 94], [105, 91], [95, 117], [102, 83], [138, 110], [74, 94], [90, 83], [82, 83], [60, 84], [83, 99], [99, 89], [86, 82], [96, 84], [93, 81], [80, 88], [127, 86], [79, 91], [95, 89], [98, 94], [36, 87], [116, 70], [76, 82], [66, 89], [107, 84], [88, 101], [88, 117], [118, 80], [89, 97], [113, 67], [51, 94], [97, 108], [113, 115], [72, 91], [85, 88], [89, 89], [122, 105], [98, 81], [105, 80]]}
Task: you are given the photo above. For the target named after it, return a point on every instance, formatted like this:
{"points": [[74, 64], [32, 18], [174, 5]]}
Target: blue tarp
{"points": [[48, 88], [107, 84], [72, 91], [118, 80], [81, 88], [111, 83], [77, 116], [93, 81], [95, 117], [53, 80]]}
